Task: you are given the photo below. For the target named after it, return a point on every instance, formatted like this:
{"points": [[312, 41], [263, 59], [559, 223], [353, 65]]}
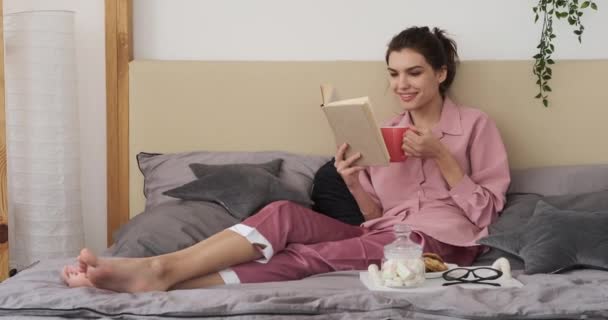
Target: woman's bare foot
{"points": [[74, 278], [82, 267], [123, 274], [76, 275]]}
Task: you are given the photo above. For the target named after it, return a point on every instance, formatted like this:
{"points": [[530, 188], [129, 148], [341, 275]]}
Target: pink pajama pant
{"points": [[297, 242]]}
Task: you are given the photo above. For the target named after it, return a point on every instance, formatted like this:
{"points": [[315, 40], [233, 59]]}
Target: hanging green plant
{"points": [[547, 10]]}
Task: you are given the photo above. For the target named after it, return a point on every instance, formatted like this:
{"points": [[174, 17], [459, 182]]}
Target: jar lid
{"points": [[403, 247]]}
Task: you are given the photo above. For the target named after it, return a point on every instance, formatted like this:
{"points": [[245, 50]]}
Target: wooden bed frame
{"points": [[119, 52]]}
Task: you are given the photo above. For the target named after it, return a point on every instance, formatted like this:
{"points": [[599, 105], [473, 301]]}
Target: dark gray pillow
{"points": [[200, 170], [520, 207], [164, 172], [557, 240], [169, 227], [519, 210], [241, 189]]}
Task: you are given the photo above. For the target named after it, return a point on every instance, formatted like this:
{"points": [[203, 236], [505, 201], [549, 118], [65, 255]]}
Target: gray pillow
{"points": [[557, 240], [519, 210], [559, 180], [169, 227], [163, 172], [200, 170], [241, 189]]}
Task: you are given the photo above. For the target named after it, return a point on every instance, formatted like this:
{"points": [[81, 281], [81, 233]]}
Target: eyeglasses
{"points": [[479, 276]]}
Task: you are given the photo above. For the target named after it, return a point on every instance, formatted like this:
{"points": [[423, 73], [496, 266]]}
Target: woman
{"points": [[449, 190]]}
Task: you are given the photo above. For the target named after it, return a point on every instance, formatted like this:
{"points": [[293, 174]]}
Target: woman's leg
{"points": [[270, 231], [298, 261], [210, 280], [283, 222], [161, 272]]}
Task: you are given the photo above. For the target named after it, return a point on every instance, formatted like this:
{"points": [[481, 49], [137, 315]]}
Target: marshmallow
{"points": [[374, 274], [407, 272], [389, 270], [404, 272]]}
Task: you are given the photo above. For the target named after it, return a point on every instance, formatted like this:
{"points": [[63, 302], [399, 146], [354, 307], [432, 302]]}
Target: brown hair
{"points": [[438, 50]]}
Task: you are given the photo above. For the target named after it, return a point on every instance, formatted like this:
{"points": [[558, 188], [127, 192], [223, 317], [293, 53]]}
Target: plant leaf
{"points": [[549, 10]]}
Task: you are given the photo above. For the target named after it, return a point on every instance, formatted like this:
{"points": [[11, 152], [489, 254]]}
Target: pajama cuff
{"points": [[229, 276], [255, 238]]}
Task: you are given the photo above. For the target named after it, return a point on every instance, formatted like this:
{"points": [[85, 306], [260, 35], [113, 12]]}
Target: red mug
{"points": [[393, 138]]}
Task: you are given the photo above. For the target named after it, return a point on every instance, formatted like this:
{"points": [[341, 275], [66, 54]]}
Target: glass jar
{"points": [[402, 265]]}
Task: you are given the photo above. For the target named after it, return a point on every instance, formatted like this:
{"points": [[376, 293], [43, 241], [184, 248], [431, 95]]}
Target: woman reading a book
{"points": [[448, 191]]}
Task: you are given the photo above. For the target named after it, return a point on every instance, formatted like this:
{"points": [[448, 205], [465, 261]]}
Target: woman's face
{"points": [[413, 80]]}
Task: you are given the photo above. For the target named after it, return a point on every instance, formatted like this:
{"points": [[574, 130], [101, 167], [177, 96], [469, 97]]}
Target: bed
{"points": [[185, 111]]}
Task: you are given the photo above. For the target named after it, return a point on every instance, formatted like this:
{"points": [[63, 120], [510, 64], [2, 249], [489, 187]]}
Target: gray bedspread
{"points": [[38, 292]]}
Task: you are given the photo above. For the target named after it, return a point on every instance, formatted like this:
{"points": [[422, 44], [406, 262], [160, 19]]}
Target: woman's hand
{"points": [[350, 175], [348, 172], [422, 143]]}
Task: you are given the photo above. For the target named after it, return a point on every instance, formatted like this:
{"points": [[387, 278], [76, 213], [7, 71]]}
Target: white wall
{"points": [[90, 54], [347, 29]]}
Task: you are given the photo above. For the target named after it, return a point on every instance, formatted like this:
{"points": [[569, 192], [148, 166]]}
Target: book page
{"points": [[360, 100], [355, 124], [327, 94]]}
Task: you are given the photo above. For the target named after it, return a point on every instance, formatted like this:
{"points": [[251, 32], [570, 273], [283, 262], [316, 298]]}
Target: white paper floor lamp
{"points": [[43, 147]]}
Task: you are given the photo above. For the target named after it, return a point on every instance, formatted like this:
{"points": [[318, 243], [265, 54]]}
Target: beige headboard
{"points": [[194, 105]]}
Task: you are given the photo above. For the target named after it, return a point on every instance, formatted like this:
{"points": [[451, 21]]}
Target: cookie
{"points": [[433, 262]]}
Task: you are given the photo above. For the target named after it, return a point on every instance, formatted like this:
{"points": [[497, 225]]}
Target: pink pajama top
{"points": [[415, 192]]}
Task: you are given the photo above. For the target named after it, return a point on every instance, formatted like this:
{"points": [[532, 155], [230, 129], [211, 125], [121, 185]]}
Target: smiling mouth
{"points": [[407, 97]]}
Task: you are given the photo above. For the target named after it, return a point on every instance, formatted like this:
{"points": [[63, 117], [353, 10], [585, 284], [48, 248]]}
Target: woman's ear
{"points": [[441, 74]]}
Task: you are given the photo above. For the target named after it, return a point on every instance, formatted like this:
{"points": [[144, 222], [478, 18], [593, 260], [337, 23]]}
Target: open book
{"points": [[353, 122]]}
